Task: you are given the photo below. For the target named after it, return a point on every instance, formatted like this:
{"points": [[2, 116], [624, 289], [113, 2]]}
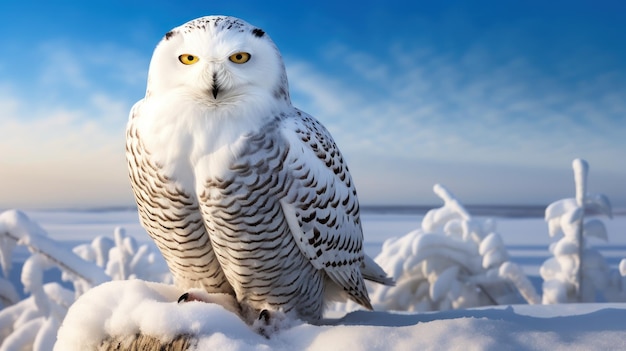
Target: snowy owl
{"points": [[243, 193]]}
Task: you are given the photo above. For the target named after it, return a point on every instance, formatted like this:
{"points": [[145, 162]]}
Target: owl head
{"points": [[218, 62]]}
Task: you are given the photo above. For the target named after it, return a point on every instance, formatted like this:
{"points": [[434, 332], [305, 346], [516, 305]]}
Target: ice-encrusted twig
{"points": [[567, 277], [16, 226], [581, 169]]}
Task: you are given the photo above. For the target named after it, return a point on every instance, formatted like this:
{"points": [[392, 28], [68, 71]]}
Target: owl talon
{"points": [[183, 297], [270, 322], [265, 315], [195, 295]]}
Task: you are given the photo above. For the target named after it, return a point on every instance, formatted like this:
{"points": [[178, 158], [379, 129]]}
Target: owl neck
{"points": [[253, 111], [193, 127]]}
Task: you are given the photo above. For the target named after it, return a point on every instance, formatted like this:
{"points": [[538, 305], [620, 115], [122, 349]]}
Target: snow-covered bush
{"points": [[33, 322], [122, 258], [616, 290], [453, 261], [564, 280]]}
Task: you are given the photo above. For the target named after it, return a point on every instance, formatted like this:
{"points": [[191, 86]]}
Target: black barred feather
{"points": [[173, 220]]}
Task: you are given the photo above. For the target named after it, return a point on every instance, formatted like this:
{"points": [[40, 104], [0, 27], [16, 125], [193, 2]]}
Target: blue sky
{"points": [[493, 99]]}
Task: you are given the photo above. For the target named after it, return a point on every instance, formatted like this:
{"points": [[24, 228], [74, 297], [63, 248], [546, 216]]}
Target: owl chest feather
{"points": [[244, 218], [236, 174], [191, 150]]}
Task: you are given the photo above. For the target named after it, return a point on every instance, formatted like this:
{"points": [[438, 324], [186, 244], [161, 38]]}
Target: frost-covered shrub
{"points": [[32, 324], [564, 281], [616, 290], [122, 258], [453, 261], [8, 294]]}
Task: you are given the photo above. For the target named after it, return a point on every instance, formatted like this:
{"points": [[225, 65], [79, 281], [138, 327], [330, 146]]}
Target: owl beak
{"points": [[216, 86]]}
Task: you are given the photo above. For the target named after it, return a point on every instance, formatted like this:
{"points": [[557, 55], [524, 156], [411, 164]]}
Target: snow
{"points": [[151, 308], [127, 307], [453, 261], [577, 272], [451, 268], [18, 227]]}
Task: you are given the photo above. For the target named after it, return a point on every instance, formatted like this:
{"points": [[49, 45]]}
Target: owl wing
{"points": [[321, 207]]}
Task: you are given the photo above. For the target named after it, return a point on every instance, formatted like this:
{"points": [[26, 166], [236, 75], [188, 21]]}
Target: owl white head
{"points": [[218, 62]]}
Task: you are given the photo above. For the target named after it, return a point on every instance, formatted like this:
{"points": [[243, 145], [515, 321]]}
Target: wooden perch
{"points": [[140, 342]]}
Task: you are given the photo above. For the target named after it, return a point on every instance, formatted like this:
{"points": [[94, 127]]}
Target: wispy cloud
{"points": [[61, 157], [68, 72], [423, 107], [405, 119], [62, 142], [437, 107]]}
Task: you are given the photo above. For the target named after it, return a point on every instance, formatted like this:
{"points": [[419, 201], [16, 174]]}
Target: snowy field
{"points": [[523, 230], [135, 306]]}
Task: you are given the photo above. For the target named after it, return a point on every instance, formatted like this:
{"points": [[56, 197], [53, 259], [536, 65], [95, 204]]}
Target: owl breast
{"points": [[249, 233], [209, 195], [170, 214]]}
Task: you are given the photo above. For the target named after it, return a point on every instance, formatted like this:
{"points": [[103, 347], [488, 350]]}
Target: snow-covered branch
{"points": [[33, 322], [576, 272], [16, 227], [453, 261]]}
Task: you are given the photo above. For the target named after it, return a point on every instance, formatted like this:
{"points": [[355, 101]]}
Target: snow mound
{"points": [[120, 309], [33, 322]]}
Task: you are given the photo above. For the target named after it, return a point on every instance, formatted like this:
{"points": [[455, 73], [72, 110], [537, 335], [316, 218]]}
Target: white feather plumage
{"points": [[242, 192]]}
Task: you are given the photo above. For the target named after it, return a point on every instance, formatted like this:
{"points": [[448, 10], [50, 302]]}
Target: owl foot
{"points": [[225, 300], [265, 315], [266, 322], [269, 322], [195, 295]]}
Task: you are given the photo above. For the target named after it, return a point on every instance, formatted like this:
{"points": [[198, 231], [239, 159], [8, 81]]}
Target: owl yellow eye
{"points": [[240, 57], [187, 59]]}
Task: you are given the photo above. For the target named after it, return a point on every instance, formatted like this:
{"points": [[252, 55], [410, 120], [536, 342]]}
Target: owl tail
{"points": [[372, 271]]}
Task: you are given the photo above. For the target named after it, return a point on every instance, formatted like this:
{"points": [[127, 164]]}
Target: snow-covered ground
{"points": [[151, 308], [135, 306]]}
